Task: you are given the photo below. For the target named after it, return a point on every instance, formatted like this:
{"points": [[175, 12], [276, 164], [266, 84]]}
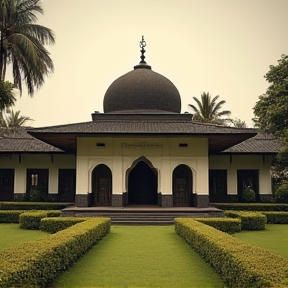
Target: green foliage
{"points": [[208, 110], [276, 217], [10, 216], [252, 206], [281, 195], [40, 262], [227, 225], [22, 44], [240, 264], [249, 220], [35, 195], [56, 224], [31, 206], [248, 195], [31, 220]]}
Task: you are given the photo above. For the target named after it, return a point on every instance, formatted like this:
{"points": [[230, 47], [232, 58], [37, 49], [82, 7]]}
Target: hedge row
{"points": [[239, 263], [31, 206], [10, 216], [227, 225], [41, 261], [31, 220], [55, 224], [252, 206], [274, 217], [249, 220]]}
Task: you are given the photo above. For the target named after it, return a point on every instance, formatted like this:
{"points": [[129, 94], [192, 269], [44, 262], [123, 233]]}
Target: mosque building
{"points": [[140, 151]]}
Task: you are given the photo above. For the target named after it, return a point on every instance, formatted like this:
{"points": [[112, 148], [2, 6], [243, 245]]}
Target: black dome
{"points": [[142, 91]]}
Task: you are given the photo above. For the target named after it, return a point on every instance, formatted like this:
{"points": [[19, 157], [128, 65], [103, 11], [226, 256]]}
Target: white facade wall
{"points": [[232, 163], [164, 154], [53, 162]]}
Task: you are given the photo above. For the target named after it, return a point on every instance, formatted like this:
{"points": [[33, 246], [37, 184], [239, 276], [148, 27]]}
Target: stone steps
{"points": [[142, 215]]}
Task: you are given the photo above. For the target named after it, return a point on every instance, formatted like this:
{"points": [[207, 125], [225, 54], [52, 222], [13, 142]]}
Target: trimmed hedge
{"points": [[41, 261], [276, 217], [249, 220], [10, 216], [239, 263], [31, 220], [55, 224], [251, 206], [227, 225], [31, 206]]}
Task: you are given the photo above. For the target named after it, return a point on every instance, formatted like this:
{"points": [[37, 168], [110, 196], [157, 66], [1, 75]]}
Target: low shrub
{"points": [[35, 195], [227, 225], [55, 224], [248, 196], [10, 216], [31, 220], [41, 261], [239, 263], [249, 220], [31, 206], [276, 217], [281, 194], [252, 206]]}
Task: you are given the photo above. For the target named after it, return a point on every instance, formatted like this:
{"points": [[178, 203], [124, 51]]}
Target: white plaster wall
{"points": [[119, 154], [37, 161], [237, 162]]}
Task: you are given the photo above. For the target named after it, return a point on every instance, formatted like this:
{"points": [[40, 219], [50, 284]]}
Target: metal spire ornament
{"points": [[142, 45]]}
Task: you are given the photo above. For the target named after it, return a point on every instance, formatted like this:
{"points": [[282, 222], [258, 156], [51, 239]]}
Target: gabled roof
{"points": [[19, 141], [260, 144]]}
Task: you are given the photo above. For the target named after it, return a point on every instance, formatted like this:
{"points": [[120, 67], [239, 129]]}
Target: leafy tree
{"points": [[271, 112], [238, 123], [22, 43], [209, 110]]}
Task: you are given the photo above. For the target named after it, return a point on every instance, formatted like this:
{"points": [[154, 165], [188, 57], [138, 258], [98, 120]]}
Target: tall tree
{"points": [[209, 110], [271, 112], [22, 44]]}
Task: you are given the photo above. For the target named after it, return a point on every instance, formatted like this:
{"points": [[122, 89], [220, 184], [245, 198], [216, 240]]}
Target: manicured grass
{"points": [[274, 238], [140, 256], [12, 234]]}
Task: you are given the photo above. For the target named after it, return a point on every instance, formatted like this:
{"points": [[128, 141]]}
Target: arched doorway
{"points": [[102, 185], [142, 185], [182, 186]]}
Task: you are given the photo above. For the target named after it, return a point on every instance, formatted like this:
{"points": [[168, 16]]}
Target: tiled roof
{"points": [[141, 127], [20, 141], [258, 144]]}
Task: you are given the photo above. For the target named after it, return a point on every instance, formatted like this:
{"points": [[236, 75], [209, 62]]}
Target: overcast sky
{"points": [[219, 46]]}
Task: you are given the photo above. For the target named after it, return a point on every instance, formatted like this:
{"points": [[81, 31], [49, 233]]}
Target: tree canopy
{"points": [[22, 44], [208, 110], [271, 111]]}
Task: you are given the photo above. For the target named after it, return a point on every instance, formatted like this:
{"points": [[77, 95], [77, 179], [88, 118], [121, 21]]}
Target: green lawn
{"points": [[140, 256], [12, 234], [274, 238]]}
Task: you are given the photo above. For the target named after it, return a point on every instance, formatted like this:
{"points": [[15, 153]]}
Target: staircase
{"points": [[150, 215]]}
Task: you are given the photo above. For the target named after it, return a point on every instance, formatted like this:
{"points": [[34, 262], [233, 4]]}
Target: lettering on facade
{"points": [[144, 145]]}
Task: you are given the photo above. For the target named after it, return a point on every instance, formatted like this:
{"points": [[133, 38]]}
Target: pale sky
{"points": [[223, 47]]}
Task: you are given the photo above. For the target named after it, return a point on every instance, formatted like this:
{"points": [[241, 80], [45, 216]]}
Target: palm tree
{"points": [[208, 110], [22, 44], [7, 99], [15, 120]]}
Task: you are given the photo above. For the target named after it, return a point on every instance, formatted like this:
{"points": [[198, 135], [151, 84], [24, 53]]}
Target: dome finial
{"points": [[142, 45]]}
